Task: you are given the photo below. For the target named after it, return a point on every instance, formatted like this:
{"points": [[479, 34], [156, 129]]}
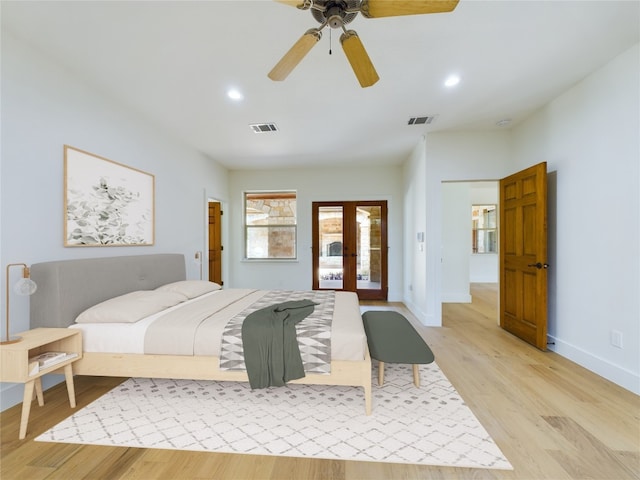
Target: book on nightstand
{"points": [[48, 359]]}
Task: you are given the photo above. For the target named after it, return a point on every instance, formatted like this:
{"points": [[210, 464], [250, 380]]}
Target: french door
{"points": [[350, 247]]}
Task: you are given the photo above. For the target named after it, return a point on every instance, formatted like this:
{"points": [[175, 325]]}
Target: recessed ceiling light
{"points": [[452, 81], [235, 94]]}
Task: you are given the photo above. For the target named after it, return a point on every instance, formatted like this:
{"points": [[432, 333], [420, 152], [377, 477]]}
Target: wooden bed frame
{"points": [[68, 287]]}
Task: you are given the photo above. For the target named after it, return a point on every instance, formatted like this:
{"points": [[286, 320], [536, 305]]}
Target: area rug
{"points": [[429, 425]]}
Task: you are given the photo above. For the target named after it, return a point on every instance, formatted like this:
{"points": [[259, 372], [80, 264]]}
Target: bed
{"points": [[68, 288]]}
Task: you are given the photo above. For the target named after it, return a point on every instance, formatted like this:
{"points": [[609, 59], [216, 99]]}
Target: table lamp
{"points": [[24, 286]]}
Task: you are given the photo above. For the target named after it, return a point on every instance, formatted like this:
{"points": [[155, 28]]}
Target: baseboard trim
{"points": [[620, 376], [423, 317], [417, 312]]}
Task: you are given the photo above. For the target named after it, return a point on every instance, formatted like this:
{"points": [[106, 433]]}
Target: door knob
{"points": [[539, 265]]}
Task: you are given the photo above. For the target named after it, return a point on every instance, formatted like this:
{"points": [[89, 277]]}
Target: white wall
{"points": [[483, 268], [445, 156], [414, 179], [456, 242], [322, 184], [590, 138], [44, 107]]}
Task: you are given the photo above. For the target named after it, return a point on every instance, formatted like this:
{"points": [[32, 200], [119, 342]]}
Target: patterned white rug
{"points": [[429, 425]]}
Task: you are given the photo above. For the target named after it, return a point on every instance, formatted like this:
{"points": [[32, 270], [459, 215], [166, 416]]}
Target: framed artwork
{"points": [[106, 203]]}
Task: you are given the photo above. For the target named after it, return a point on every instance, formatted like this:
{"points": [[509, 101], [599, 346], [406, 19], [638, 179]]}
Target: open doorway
{"points": [[469, 240]]}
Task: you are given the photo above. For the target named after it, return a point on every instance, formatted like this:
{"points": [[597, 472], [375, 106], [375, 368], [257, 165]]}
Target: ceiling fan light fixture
{"points": [[335, 21], [334, 13]]}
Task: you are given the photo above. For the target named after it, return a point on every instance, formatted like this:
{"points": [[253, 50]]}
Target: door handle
{"points": [[539, 265]]}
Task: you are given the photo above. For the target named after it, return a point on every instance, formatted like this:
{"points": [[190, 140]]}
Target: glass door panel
{"points": [[330, 252], [369, 247]]}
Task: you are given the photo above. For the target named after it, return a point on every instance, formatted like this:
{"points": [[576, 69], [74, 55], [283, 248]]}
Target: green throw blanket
{"points": [[271, 352]]}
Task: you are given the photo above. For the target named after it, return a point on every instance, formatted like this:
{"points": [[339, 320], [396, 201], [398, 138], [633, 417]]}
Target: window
{"points": [[484, 229], [270, 225]]}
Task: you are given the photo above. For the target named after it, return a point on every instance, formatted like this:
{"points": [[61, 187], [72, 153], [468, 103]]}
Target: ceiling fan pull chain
{"points": [[330, 42]]}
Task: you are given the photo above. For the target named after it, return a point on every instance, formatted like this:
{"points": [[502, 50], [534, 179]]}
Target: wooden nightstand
{"points": [[15, 365]]}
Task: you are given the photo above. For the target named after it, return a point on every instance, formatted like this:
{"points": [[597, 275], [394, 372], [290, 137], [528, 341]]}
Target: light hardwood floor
{"points": [[550, 417]]}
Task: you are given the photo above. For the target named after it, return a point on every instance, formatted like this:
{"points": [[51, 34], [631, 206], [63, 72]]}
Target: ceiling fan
{"points": [[337, 14]]}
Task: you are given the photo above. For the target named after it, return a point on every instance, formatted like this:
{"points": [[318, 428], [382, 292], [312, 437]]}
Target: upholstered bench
{"points": [[392, 339]]}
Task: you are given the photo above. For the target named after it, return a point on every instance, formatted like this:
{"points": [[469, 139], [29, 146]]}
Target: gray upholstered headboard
{"points": [[68, 287]]}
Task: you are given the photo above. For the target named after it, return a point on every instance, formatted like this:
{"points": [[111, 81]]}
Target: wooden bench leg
{"points": [[416, 374], [380, 373]]}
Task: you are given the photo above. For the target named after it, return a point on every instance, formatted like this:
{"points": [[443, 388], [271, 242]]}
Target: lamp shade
{"points": [[25, 286]]}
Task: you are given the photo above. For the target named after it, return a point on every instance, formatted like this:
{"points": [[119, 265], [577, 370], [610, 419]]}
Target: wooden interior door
{"points": [[215, 242], [523, 255], [350, 247]]}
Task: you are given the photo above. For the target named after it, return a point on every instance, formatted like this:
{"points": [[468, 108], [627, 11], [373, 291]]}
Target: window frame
{"points": [[270, 195], [475, 230]]}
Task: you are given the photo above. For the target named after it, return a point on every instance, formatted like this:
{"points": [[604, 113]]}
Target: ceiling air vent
{"points": [[421, 120], [263, 127]]}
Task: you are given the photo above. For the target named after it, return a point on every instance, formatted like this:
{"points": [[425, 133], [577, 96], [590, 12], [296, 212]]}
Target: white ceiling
{"points": [[173, 61]]}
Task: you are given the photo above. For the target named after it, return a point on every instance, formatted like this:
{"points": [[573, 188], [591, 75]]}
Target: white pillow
{"points": [[190, 288], [130, 307]]}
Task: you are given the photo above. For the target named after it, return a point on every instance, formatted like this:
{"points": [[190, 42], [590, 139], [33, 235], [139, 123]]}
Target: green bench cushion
{"points": [[392, 339]]}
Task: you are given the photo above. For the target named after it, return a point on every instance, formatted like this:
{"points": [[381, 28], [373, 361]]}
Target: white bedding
{"points": [[348, 340]]}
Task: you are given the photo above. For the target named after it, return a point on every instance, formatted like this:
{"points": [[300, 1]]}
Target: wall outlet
{"points": [[616, 338]]}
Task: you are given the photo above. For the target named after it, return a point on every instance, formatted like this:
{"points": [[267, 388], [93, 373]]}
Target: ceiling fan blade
{"points": [[302, 4], [295, 55], [359, 59], [394, 8]]}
